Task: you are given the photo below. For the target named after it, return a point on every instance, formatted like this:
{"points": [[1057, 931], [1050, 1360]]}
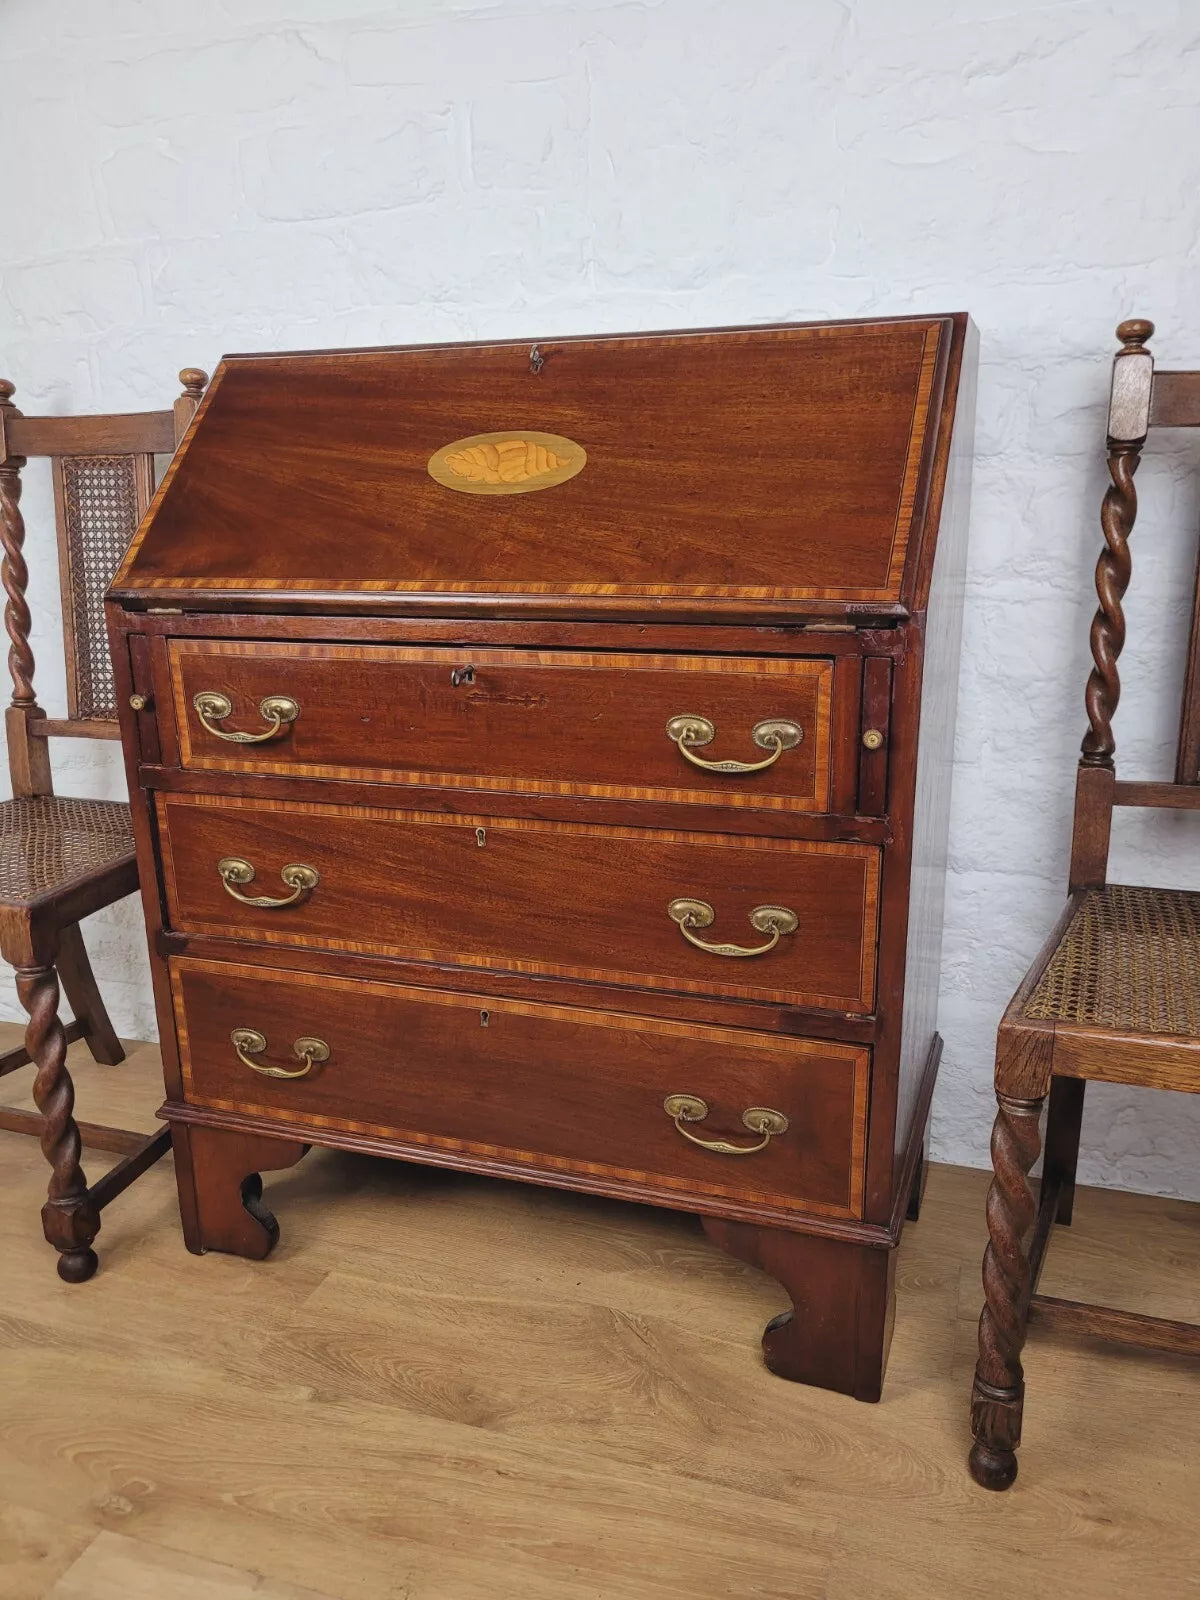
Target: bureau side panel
{"points": [[142, 674], [941, 638]]}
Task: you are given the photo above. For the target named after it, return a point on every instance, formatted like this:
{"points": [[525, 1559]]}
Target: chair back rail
{"points": [[103, 475], [1175, 403], [1175, 400], [1140, 399], [1180, 408]]}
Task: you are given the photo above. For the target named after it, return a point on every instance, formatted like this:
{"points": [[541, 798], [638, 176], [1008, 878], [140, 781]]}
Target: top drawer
{"points": [[525, 721]]}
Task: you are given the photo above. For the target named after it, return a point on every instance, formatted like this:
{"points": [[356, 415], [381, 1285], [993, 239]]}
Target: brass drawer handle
{"points": [[759, 1119], [775, 920], [249, 1042], [277, 709], [301, 880], [777, 734]]}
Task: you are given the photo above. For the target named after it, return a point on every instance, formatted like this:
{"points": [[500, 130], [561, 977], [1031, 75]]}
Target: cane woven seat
{"points": [[50, 842], [1129, 960]]}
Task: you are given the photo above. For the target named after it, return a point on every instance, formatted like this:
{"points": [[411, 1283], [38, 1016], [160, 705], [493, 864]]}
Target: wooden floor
{"points": [[444, 1388]]}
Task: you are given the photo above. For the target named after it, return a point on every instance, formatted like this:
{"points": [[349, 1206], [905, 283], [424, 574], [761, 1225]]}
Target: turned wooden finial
{"points": [[185, 408], [8, 412], [1134, 333]]}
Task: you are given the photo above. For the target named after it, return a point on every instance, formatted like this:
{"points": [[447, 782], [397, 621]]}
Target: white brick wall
{"points": [[185, 179]]}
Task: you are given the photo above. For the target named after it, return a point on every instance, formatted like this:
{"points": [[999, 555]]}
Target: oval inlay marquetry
{"points": [[516, 461]]}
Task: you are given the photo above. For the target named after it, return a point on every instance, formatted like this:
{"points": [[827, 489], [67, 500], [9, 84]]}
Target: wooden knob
{"points": [[193, 381], [1134, 333], [7, 390]]}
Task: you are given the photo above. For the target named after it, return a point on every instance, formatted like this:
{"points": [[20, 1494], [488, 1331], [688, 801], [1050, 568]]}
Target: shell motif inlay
{"points": [[516, 461]]}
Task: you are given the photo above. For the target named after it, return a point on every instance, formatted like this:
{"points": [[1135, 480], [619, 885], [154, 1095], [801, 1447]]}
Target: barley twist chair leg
{"points": [[69, 1219], [998, 1394]]}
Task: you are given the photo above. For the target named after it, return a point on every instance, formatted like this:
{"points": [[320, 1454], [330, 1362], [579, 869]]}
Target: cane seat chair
{"points": [[62, 858], [1114, 995]]}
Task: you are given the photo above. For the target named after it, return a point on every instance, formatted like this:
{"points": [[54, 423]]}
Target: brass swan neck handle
{"points": [[776, 734], [683, 1108], [775, 920], [249, 1042], [301, 880], [280, 710]]}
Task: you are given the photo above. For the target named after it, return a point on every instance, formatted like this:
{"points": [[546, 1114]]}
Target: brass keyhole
{"points": [[481, 837], [461, 675]]}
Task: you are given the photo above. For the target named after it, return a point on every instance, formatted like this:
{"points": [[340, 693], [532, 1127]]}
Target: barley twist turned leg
{"points": [[70, 1221], [998, 1394]]}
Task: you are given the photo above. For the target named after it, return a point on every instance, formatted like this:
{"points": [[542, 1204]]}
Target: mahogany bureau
{"points": [[540, 764]]}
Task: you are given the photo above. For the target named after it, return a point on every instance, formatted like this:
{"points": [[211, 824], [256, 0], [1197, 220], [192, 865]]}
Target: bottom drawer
{"points": [[549, 1088]]}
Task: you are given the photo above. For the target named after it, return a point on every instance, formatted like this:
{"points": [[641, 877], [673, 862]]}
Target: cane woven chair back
{"points": [[103, 473], [98, 501]]}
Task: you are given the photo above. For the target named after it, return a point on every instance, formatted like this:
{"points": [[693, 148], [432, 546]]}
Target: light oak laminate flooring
{"points": [[447, 1388]]}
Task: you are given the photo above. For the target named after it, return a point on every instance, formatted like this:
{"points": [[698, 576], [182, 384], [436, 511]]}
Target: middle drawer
{"points": [[783, 920]]}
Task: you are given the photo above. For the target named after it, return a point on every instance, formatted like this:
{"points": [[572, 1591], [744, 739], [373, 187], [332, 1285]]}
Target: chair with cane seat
{"points": [[1114, 995], [63, 858]]}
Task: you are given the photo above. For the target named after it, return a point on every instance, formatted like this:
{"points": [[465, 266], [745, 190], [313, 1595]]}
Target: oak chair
{"points": [[1114, 994], [60, 858]]}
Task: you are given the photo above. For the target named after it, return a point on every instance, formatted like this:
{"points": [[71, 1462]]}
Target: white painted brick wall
{"points": [[185, 179]]}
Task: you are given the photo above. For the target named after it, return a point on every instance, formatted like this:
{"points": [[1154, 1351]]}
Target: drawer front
{"points": [[546, 1087], [523, 721], [552, 898]]}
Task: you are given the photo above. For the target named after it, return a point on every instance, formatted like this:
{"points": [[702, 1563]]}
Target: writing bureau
{"points": [[540, 761]]}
